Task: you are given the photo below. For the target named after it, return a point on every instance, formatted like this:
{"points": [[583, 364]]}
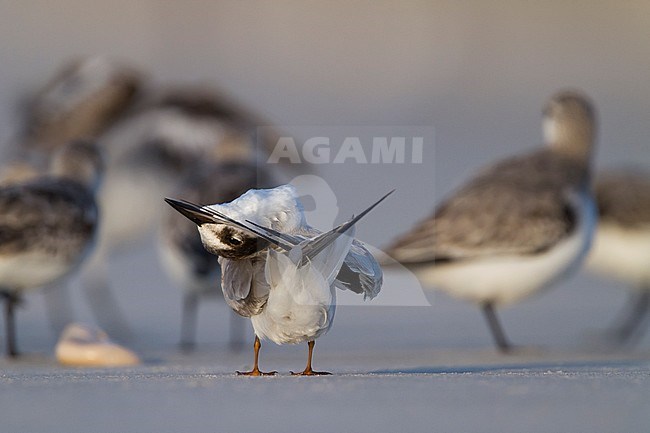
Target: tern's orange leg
{"points": [[308, 370], [256, 371]]}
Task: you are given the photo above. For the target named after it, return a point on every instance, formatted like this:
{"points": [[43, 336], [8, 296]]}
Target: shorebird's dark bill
{"points": [[193, 212]]}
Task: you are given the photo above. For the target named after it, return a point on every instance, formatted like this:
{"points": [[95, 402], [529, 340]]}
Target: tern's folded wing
{"points": [[360, 272], [244, 289]]}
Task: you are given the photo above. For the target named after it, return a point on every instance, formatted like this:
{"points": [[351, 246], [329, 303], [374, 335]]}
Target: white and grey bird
{"points": [[47, 226], [279, 271], [188, 264], [621, 247], [517, 227]]}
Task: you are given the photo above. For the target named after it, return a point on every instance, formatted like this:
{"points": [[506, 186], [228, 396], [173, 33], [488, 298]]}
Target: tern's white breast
{"points": [[300, 306]]}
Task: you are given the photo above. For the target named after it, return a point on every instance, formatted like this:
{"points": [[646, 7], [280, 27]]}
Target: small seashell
{"points": [[82, 345]]}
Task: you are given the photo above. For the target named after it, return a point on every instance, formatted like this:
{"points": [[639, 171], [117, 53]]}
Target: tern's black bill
{"points": [[193, 212]]}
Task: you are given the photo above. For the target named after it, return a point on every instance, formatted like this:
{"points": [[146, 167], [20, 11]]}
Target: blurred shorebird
{"points": [[47, 226], [151, 138], [621, 247], [148, 152], [519, 226], [80, 102], [278, 270], [160, 143], [223, 177], [16, 172]]}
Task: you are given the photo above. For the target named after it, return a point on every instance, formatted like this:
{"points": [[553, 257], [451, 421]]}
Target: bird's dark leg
{"points": [[256, 371], [11, 300], [188, 321], [308, 370], [495, 327], [640, 305]]}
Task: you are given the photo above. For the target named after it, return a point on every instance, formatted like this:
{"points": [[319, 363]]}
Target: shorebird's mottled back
{"points": [[623, 198], [80, 161]]}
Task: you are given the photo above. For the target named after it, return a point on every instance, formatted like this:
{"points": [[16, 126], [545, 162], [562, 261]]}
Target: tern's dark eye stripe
{"points": [[240, 245], [227, 236]]}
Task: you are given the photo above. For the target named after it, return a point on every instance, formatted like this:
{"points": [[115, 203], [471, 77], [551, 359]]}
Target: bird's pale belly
{"points": [[295, 324], [31, 270]]}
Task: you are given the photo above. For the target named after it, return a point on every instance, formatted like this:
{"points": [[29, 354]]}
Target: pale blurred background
{"points": [[478, 72]]}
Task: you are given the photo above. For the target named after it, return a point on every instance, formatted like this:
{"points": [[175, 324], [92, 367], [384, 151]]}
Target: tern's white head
{"points": [[277, 208]]}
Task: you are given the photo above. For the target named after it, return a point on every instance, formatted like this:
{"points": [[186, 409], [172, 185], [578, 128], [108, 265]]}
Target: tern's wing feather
{"points": [[236, 279], [204, 214], [244, 288], [313, 246], [360, 272], [276, 235], [264, 234], [330, 258]]}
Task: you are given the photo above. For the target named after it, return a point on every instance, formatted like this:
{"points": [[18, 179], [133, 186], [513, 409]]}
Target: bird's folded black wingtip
{"points": [[190, 210]]}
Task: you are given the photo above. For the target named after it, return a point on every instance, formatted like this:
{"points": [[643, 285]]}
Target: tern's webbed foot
{"points": [[256, 372], [310, 372]]}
